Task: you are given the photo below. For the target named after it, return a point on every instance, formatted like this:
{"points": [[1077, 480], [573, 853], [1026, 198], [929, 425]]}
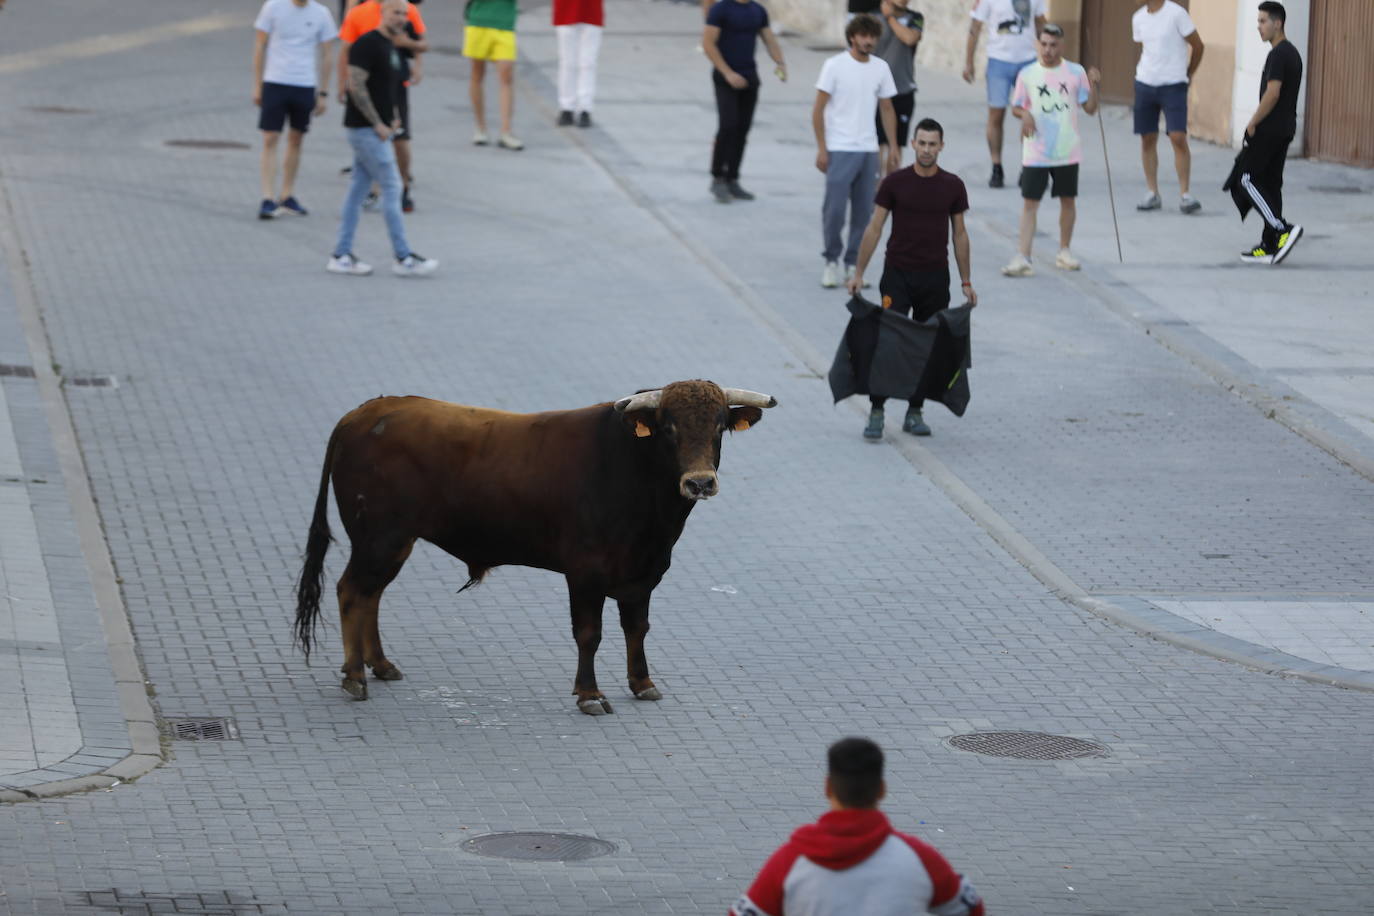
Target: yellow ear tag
{"points": [[641, 430], [741, 425]]}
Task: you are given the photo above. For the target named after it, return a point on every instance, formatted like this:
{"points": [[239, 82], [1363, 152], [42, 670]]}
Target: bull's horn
{"points": [[741, 398], [645, 400]]}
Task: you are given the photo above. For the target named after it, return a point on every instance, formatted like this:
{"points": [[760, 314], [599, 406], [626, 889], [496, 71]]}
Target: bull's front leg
{"points": [[634, 620], [587, 602]]}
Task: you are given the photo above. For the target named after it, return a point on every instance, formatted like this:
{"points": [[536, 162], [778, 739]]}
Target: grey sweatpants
{"points": [[850, 180]]}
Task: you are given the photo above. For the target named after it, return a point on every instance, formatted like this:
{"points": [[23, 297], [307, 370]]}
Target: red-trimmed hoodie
{"points": [[852, 862]]}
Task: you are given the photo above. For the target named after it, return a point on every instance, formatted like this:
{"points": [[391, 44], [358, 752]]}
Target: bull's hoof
{"points": [[356, 689], [388, 674], [595, 706], [649, 693]]}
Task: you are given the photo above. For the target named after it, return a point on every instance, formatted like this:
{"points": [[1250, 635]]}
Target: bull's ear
{"points": [[741, 418], [643, 423]]}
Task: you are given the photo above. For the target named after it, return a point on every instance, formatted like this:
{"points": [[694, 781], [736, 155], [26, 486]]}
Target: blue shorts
{"points": [[1002, 79], [1150, 100], [280, 102]]}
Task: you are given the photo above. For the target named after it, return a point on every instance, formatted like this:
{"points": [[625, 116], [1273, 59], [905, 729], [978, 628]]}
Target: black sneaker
{"points": [[720, 189], [268, 209], [737, 192], [1286, 242], [407, 205], [997, 180], [565, 119], [1257, 255], [584, 119]]}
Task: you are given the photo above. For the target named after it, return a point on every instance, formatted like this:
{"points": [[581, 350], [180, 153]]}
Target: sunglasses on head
{"points": [[1052, 29]]}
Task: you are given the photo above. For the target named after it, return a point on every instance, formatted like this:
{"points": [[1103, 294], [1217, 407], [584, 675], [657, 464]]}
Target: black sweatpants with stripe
{"points": [[1262, 179]]}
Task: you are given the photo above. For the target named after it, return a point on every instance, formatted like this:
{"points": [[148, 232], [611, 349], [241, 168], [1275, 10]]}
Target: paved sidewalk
{"points": [[1177, 444]]}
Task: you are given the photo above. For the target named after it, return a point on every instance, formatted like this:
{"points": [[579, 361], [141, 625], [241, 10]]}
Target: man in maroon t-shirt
{"points": [[925, 202]]}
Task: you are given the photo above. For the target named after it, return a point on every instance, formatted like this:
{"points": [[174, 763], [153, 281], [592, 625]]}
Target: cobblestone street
{"points": [[1151, 530]]}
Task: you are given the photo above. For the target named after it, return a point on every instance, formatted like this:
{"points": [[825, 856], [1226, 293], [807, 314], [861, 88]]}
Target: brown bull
{"points": [[599, 494]]}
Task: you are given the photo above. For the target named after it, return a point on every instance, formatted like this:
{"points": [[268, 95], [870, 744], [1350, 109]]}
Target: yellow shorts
{"points": [[488, 44]]}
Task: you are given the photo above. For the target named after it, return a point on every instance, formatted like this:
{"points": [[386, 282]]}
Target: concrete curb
{"points": [[128, 673], [1210, 643]]}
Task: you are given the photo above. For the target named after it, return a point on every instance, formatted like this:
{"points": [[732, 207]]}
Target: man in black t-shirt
{"points": [[927, 206], [371, 120], [732, 30], [1267, 136]]}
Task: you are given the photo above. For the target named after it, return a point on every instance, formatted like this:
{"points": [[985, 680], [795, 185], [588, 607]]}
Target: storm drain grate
{"points": [[16, 371], [219, 903], [91, 381], [209, 144], [539, 847], [1028, 746], [201, 729], [1336, 188], [56, 109]]}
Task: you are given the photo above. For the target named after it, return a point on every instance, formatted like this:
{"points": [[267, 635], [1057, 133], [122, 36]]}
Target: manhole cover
{"points": [[539, 847], [201, 729], [209, 144], [1028, 746]]}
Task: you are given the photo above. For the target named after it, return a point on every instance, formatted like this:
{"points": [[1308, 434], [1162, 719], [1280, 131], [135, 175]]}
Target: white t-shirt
{"points": [[1010, 25], [854, 90], [293, 33], [1165, 52]]}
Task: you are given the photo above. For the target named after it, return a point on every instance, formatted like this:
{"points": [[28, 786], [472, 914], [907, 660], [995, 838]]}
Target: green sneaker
{"points": [[914, 424], [874, 430]]}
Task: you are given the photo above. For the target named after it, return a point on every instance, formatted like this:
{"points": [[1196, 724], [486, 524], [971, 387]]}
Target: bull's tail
{"points": [[312, 572]]}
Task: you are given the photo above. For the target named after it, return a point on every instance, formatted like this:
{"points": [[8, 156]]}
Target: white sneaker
{"points": [[480, 138], [348, 265], [830, 277], [414, 265], [508, 141], [849, 273], [1066, 261], [1189, 204], [1019, 267], [1150, 201]]}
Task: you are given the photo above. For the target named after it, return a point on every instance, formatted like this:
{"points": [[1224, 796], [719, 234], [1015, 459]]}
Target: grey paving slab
{"points": [[859, 599]]}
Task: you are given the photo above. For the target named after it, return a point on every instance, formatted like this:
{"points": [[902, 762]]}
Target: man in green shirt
{"points": [[490, 36]]}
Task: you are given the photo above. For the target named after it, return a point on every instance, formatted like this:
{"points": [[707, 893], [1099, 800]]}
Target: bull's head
{"points": [[688, 418]]}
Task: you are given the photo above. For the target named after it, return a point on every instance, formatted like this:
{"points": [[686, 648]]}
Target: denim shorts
{"points": [[1150, 100], [1002, 79]]}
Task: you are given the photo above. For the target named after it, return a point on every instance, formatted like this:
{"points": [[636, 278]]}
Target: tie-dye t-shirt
{"points": [[1053, 97]]}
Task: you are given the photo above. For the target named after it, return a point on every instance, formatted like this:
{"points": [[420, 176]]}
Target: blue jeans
{"points": [[850, 180], [374, 159]]}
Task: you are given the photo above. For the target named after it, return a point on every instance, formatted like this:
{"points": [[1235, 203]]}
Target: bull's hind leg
{"points": [[373, 656], [634, 620], [360, 592], [587, 602]]}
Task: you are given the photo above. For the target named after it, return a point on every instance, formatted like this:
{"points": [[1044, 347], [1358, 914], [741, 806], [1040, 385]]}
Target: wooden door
{"points": [[1340, 82], [1107, 45]]}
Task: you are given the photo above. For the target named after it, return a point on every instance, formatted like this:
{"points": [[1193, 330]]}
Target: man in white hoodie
{"points": [[852, 861]]}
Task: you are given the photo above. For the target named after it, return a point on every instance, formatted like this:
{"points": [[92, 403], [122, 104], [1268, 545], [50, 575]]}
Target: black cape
{"points": [[887, 354], [1239, 196]]}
